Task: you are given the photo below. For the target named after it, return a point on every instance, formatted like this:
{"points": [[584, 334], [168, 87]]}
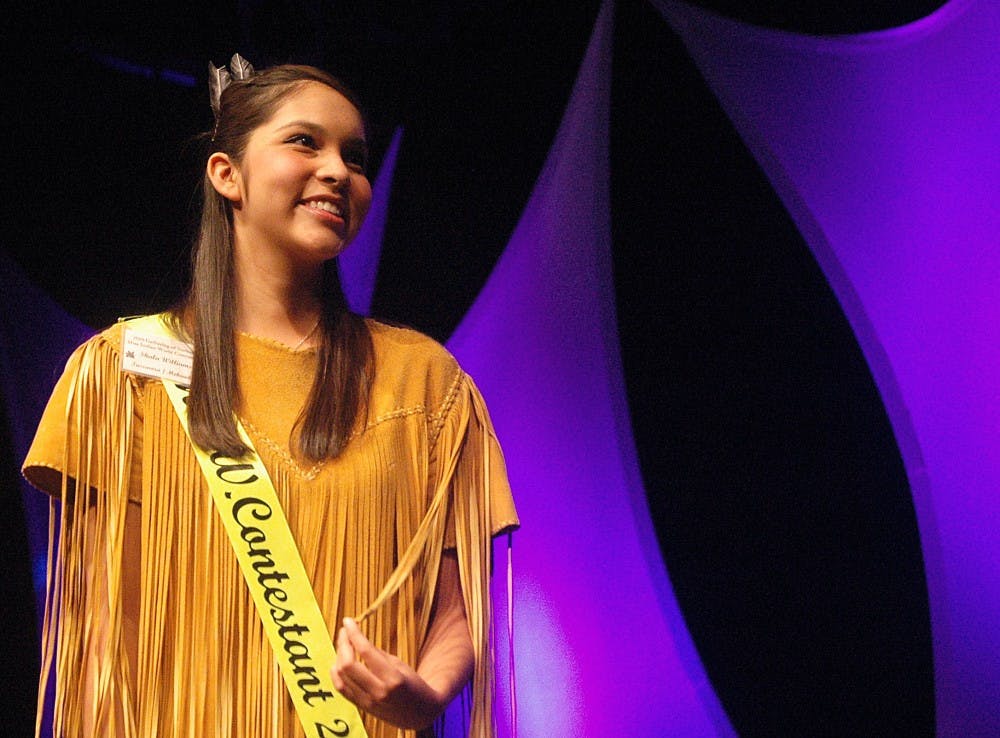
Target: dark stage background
{"points": [[776, 488]]}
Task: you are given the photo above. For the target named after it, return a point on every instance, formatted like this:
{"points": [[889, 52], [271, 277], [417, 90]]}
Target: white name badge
{"points": [[158, 357]]}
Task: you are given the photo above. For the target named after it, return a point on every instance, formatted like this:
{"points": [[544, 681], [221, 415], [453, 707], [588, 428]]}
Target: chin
{"points": [[325, 252]]}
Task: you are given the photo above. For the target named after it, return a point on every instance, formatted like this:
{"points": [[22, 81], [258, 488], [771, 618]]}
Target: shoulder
{"points": [[97, 361], [90, 393], [398, 344], [110, 338], [402, 336], [103, 345], [411, 369]]}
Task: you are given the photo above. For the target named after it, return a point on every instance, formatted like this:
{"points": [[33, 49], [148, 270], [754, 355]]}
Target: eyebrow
{"points": [[317, 129]]}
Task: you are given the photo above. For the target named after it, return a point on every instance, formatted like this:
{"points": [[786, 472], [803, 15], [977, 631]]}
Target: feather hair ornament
{"points": [[242, 69], [219, 78]]}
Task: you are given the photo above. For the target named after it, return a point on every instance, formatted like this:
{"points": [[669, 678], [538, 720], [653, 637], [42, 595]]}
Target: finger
{"points": [[354, 634], [345, 661], [340, 659], [354, 668], [345, 649], [376, 673], [377, 661], [353, 691]]}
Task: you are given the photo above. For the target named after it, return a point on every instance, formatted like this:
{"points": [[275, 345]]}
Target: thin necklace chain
{"points": [[307, 336]]}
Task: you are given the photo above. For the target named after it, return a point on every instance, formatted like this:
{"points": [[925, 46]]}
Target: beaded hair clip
{"points": [[219, 78]]}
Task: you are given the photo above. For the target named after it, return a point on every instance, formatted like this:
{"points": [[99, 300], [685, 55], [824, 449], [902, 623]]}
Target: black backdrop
{"points": [[777, 492]]}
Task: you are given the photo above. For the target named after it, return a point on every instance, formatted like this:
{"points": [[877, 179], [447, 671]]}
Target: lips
{"points": [[329, 212], [326, 206]]}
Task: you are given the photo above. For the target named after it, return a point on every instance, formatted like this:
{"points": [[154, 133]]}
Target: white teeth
{"points": [[324, 205]]}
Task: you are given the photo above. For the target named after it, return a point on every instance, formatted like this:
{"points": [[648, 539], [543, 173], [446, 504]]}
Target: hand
{"points": [[382, 685]]}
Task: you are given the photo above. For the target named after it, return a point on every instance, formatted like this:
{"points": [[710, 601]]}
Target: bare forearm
{"points": [[384, 686], [447, 659]]}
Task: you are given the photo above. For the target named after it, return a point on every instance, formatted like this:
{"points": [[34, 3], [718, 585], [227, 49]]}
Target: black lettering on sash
{"points": [[261, 511], [322, 694], [271, 594], [222, 469], [228, 471], [254, 535], [339, 729], [263, 553], [251, 534], [297, 651]]}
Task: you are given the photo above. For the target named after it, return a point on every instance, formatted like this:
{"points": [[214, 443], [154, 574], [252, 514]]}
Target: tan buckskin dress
{"points": [[150, 629]]}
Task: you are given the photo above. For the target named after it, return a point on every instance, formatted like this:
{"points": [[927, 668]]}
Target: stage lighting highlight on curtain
{"points": [[884, 148], [602, 649]]}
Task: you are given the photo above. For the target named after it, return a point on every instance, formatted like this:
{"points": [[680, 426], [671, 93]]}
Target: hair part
{"points": [[345, 361]]}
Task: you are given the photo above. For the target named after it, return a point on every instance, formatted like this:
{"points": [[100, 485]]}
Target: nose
{"points": [[332, 170]]}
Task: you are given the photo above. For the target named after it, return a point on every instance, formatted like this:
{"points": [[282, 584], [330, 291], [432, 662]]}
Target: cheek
{"points": [[276, 176], [288, 169], [361, 197]]}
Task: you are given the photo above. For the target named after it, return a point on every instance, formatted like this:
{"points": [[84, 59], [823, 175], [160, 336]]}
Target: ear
{"points": [[224, 176]]}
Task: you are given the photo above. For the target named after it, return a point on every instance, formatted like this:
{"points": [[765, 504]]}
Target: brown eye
{"points": [[303, 139]]}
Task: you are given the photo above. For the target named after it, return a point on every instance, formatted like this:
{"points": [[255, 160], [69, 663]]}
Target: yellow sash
{"points": [[258, 531]]}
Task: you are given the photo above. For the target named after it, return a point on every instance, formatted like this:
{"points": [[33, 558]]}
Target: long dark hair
{"points": [[340, 388]]}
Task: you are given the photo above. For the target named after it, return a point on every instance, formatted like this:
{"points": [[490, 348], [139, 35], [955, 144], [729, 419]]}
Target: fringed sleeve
{"points": [[82, 456], [480, 465], [481, 507], [470, 503]]}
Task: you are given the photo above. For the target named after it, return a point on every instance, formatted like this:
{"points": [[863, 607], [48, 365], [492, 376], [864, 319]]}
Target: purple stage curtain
{"points": [[885, 148], [602, 649], [36, 338]]}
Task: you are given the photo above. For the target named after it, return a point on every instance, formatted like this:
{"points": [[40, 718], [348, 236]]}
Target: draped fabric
{"points": [[883, 147], [542, 342], [150, 629]]}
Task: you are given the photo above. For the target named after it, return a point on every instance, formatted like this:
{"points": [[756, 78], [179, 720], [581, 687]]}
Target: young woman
{"points": [[379, 448]]}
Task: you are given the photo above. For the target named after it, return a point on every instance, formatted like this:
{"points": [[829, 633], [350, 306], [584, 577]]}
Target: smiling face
{"points": [[299, 192]]}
